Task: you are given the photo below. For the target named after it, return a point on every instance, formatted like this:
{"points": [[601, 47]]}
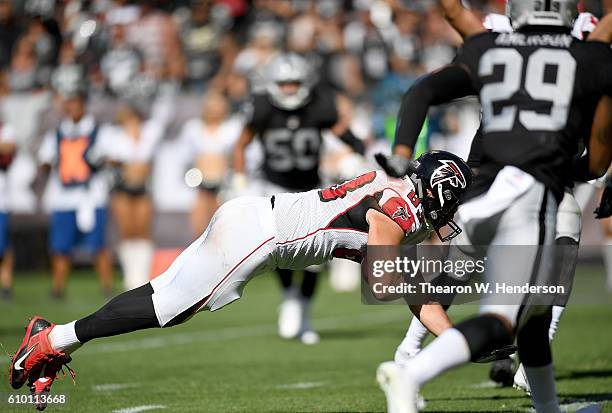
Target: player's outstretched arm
{"points": [[596, 161], [600, 142], [462, 19], [449, 83], [603, 30], [384, 232]]}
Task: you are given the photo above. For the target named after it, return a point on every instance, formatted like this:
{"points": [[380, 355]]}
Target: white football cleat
{"points": [[290, 317], [309, 337], [520, 380], [400, 389]]}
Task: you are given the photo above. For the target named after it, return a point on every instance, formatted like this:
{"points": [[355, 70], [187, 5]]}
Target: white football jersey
{"points": [[315, 226]]}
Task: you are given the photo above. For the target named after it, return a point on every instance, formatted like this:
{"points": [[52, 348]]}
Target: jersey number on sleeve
{"points": [[287, 150], [559, 93], [340, 190]]}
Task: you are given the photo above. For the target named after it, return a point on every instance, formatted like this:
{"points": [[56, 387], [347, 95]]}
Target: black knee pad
{"points": [[484, 334], [532, 340]]}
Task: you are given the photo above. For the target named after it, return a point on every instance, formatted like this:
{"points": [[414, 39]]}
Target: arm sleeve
{"points": [[449, 83], [353, 141]]}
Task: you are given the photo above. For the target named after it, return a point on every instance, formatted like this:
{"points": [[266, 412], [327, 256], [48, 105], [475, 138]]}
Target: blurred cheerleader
{"points": [[209, 140], [135, 141]]}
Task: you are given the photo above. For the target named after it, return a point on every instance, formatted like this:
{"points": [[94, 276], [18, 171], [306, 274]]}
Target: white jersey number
{"points": [[287, 150], [559, 94]]}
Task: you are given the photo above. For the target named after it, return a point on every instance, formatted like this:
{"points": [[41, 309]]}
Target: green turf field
{"points": [[232, 361]]}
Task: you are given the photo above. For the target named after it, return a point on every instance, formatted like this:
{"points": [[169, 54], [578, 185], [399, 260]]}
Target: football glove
{"points": [[395, 165], [604, 210]]}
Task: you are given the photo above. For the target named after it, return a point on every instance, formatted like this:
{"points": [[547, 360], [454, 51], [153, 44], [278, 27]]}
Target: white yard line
{"points": [[168, 338], [114, 386], [301, 385], [488, 384], [138, 409]]}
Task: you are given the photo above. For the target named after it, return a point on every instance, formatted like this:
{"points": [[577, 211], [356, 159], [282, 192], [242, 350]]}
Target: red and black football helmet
{"points": [[441, 179]]}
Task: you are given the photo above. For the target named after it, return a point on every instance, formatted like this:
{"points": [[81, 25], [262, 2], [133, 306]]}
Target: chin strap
{"points": [[454, 231]]}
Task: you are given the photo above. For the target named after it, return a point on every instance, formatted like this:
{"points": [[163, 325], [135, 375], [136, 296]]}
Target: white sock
{"points": [[449, 350], [557, 312], [415, 336], [607, 256], [63, 338], [542, 383]]}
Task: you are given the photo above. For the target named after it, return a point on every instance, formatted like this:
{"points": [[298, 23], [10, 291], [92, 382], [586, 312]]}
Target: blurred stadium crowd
{"points": [[172, 68]]}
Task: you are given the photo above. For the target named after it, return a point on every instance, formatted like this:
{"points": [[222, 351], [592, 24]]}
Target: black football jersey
{"points": [[292, 139], [537, 92]]}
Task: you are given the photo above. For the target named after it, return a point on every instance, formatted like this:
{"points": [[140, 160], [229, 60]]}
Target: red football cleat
{"points": [[41, 387], [35, 357]]}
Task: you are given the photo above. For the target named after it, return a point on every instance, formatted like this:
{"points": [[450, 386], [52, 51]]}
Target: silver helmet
{"points": [[561, 13], [289, 68]]}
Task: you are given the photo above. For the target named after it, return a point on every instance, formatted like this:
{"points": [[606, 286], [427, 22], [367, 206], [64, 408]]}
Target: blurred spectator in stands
{"points": [[364, 36], [209, 47], [44, 33], [122, 63], [134, 143], [387, 95], [25, 74], [157, 36], [210, 140], [122, 12], [7, 154], [263, 45], [77, 189], [68, 71], [439, 41], [10, 30]]}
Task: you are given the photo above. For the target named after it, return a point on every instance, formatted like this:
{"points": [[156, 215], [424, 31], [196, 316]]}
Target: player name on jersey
{"points": [[521, 39]]}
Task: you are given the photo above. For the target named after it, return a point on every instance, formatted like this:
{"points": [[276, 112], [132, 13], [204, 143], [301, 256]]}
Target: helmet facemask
{"points": [[289, 81], [558, 13], [440, 207]]}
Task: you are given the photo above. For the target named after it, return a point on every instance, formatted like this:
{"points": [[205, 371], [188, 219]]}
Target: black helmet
{"points": [[441, 179]]}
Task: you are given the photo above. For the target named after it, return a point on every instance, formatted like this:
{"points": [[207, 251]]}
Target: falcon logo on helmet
{"points": [[449, 171]]}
